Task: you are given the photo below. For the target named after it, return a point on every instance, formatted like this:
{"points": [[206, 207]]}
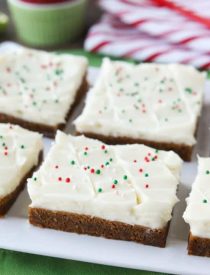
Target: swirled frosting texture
{"points": [[146, 101], [198, 202], [134, 184], [38, 86], [19, 152]]}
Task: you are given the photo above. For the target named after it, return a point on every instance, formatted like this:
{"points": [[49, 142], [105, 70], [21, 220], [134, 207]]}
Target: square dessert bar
{"points": [[157, 105], [38, 90], [197, 213], [20, 154], [122, 192]]}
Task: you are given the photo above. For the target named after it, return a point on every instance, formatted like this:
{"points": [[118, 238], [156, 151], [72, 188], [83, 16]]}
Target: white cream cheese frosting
{"points": [[198, 203], [134, 184], [19, 152], [146, 101], [38, 86]]}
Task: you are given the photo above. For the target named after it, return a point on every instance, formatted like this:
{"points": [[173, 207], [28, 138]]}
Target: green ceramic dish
{"points": [[3, 22], [50, 24]]}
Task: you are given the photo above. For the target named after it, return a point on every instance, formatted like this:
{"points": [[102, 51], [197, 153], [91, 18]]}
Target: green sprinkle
{"points": [[130, 120], [1, 137], [207, 172], [56, 100], [58, 71], [205, 201], [136, 84], [34, 103], [107, 163], [125, 177], [3, 144], [22, 146], [99, 190], [188, 90], [115, 181], [111, 159], [146, 175], [34, 178], [98, 172], [85, 153], [72, 162], [22, 80], [105, 151]]}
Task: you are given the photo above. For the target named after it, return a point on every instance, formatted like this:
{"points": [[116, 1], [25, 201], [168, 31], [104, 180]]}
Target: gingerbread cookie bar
{"points": [[157, 105], [20, 154], [197, 211], [122, 192], [38, 90]]}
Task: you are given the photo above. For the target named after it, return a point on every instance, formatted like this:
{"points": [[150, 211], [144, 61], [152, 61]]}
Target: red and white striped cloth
{"points": [[112, 37], [144, 31], [161, 22]]}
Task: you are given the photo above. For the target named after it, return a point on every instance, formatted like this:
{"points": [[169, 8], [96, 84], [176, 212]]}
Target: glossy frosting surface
{"points": [[146, 101], [38, 86], [134, 184], [198, 202], [19, 152]]}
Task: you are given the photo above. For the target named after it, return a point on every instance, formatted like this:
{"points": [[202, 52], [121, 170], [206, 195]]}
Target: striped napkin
{"points": [[146, 31]]}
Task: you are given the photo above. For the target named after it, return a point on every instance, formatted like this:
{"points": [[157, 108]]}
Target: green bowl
{"points": [[50, 24]]}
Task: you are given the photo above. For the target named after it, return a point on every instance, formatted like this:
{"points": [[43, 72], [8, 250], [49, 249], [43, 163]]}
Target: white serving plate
{"points": [[17, 234]]}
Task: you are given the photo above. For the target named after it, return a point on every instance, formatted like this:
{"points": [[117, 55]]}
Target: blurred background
{"points": [[143, 30]]}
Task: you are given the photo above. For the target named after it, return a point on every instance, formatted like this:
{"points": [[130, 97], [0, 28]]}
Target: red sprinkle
{"points": [[102, 166], [43, 66], [103, 147], [60, 179], [146, 185], [8, 69], [68, 180], [146, 159], [5, 153], [135, 161], [86, 148], [56, 166], [92, 170], [140, 170], [113, 186]]}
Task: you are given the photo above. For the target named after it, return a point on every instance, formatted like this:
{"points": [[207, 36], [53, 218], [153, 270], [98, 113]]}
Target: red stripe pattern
{"points": [[114, 37]]}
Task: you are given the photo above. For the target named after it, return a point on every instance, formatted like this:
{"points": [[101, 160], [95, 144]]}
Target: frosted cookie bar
{"points": [[157, 105], [197, 211], [122, 192], [20, 154], [38, 90]]}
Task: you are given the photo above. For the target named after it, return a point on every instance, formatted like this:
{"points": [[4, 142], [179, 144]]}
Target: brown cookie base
{"points": [[48, 131], [198, 246], [84, 224], [184, 151], [7, 201]]}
